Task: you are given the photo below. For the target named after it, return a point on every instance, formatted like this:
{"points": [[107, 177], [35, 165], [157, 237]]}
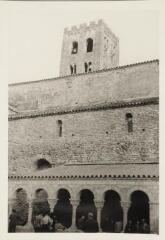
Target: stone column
{"points": [[154, 217], [74, 207], [99, 206], [29, 225], [10, 205], [125, 206], [52, 203]]}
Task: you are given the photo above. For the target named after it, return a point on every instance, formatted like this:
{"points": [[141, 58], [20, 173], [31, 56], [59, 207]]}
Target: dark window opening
{"points": [[60, 128], [89, 45], [73, 69], [43, 164], [74, 47], [88, 67], [129, 119]]}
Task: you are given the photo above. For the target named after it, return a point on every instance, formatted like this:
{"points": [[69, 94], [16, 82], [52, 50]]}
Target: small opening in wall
{"points": [[74, 47], [88, 67], [143, 129], [129, 119], [43, 164], [106, 132], [60, 128], [73, 69], [89, 45]]}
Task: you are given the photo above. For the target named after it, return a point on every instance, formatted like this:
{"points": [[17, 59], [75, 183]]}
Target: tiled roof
{"points": [[103, 106], [76, 171]]}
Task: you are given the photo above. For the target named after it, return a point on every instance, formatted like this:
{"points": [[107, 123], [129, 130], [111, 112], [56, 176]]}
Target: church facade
{"points": [[86, 141]]}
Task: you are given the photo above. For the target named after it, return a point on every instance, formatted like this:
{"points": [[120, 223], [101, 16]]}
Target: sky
{"points": [[35, 33]]}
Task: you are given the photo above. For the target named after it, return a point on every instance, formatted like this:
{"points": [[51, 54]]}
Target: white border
{"points": [[115, 5]]}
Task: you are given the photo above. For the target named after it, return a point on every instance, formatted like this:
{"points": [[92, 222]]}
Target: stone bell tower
{"points": [[88, 48]]}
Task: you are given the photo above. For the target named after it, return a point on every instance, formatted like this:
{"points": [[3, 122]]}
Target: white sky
{"points": [[35, 34]]}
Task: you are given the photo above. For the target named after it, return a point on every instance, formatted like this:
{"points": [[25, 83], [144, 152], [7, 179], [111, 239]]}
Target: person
{"points": [[81, 222], [37, 223], [91, 225], [144, 226], [13, 221], [137, 227], [118, 225], [128, 228], [108, 225], [46, 222], [59, 227]]}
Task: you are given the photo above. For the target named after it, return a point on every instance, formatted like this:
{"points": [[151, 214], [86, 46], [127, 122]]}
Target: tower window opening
{"points": [[60, 128], [89, 45], [88, 66], [129, 119], [73, 69], [74, 47]]}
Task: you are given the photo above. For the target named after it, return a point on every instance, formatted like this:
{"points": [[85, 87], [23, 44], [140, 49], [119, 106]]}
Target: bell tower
{"points": [[88, 48]]}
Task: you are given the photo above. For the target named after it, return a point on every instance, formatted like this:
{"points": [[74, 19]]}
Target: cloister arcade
{"points": [[69, 204]]}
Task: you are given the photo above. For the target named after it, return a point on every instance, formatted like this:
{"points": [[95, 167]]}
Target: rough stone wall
{"points": [[96, 137], [96, 31], [125, 83]]}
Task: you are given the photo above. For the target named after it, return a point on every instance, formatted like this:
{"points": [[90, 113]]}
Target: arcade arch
{"points": [[112, 212]]}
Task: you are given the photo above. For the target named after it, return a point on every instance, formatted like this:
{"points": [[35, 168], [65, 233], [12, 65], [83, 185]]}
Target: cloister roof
{"points": [[129, 170]]}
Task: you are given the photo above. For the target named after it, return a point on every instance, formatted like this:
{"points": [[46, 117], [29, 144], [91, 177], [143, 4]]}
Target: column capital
{"points": [[99, 204], [125, 204], [153, 203], [74, 202]]}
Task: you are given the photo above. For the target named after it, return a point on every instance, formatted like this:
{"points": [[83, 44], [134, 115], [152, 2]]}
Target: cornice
{"points": [[87, 177]]}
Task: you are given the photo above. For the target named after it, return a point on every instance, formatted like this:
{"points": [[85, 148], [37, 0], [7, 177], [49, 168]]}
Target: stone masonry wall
{"points": [[96, 137], [125, 83]]}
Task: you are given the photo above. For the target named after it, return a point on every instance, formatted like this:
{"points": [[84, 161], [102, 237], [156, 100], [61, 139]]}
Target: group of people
{"points": [[46, 222], [88, 224], [49, 223], [139, 226], [111, 225]]}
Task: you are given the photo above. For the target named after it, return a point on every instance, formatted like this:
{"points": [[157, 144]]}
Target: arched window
{"points": [[74, 47], [89, 45], [43, 164], [129, 119]]}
